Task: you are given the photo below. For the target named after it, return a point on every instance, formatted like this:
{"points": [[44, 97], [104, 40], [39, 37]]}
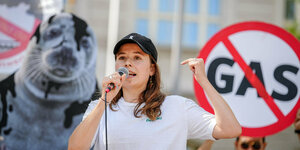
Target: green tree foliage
{"points": [[294, 28], [292, 24]]}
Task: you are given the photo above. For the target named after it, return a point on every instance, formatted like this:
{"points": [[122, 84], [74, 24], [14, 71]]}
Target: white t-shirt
{"points": [[181, 119]]}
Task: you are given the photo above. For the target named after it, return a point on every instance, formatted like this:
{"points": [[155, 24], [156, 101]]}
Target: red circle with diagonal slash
{"points": [[222, 36], [17, 33]]}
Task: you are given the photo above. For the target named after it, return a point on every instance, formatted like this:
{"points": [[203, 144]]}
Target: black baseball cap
{"points": [[143, 42]]}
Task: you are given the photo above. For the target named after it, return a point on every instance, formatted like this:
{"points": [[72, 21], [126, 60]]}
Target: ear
{"points": [[236, 144], [152, 69], [265, 145]]}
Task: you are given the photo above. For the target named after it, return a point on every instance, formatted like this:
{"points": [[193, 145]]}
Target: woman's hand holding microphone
{"points": [[112, 84]]}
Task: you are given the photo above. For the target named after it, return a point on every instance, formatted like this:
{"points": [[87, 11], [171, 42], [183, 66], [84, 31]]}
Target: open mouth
{"points": [[131, 75], [61, 72]]}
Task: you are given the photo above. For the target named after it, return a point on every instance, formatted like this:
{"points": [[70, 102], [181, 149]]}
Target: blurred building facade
{"points": [[202, 19], [155, 19]]}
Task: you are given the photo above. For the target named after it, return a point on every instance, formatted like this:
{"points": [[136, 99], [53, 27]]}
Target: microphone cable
{"points": [[121, 71], [105, 111]]}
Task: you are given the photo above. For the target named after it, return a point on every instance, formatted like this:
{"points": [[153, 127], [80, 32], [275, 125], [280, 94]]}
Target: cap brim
{"points": [[124, 41]]}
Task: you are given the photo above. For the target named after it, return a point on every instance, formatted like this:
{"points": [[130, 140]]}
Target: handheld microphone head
{"points": [[123, 70]]}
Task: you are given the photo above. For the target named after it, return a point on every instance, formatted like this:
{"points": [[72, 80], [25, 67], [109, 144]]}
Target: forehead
{"points": [[249, 139], [65, 21], [130, 48]]}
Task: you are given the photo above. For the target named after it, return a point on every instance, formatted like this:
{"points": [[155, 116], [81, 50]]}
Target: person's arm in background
{"points": [[227, 125], [297, 124], [206, 145]]}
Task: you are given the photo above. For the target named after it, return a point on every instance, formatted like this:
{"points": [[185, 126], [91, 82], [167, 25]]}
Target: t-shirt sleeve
{"points": [[90, 108], [200, 122]]}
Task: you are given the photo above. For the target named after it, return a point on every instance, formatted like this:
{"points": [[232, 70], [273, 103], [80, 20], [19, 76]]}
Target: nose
{"points": [[128, 63], [250, 148], [63, 58], [66, 40], [68, 37]]}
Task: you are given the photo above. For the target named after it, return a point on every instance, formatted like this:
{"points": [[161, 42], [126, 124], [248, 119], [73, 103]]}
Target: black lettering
{"points": [[292, 88], [211, 74], [245, 83]]}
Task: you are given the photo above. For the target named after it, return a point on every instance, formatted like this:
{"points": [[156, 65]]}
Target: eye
{"points": [[137, 58], [85, 42], [256, 145], [52, 33], [121, 58]]}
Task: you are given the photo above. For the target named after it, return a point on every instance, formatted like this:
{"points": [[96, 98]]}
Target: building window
{"points": [[142, 26], [164, 35], [190, 32], [290, 10], [167, 5], [198, 26], [214, 7], [143, 5], [212, 29], [191, 6]]}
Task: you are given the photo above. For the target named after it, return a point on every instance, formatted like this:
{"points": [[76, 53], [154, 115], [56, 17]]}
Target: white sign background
{"points": [[271, 47]]}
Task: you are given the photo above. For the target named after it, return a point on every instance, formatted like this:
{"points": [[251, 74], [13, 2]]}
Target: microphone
{"points": [[121, 71]]}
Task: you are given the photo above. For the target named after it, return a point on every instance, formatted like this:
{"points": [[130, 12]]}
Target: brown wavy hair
{"points": [[151, 96]]}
